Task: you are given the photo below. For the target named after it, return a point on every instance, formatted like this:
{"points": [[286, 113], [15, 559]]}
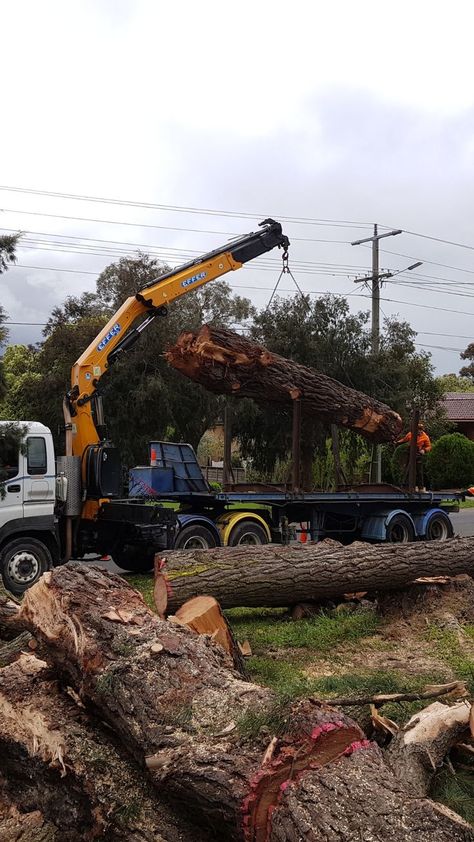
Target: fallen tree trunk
{"points": [[55, 760], [360, 798], [229, 364], [17, 826], [179, 708], [277, 575]]}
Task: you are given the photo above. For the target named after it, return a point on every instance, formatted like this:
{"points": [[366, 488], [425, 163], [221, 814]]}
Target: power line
{"points": [[439, 240], [431, 262], [337, 223], [258, 288], [149, 225]]}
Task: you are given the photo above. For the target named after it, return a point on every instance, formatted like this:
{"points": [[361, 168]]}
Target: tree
{"points": [[8, 244], [450, 462], [455, 383], [468, 370]]}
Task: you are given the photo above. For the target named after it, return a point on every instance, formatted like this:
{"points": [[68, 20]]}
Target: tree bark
{"points": [[277, 575], [183, 712], [421, 746], [360, 798], [227, 363], [10, 650], [54, 759]]}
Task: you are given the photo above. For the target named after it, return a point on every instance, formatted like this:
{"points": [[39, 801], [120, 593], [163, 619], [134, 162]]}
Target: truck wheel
{"points": [[439, 528], [134, 559], [22, 562], [400, 530], [195, 538], [248, 532]]}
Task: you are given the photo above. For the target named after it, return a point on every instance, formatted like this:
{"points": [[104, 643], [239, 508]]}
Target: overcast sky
{"points": [[348, 112]]}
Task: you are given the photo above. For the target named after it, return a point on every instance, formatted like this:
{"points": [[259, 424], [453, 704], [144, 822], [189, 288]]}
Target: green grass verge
{"points": [[449, 649], [269, 627]]}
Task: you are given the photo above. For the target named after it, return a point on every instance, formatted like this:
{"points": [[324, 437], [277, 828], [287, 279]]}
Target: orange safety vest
{"points": [[423, 441]]}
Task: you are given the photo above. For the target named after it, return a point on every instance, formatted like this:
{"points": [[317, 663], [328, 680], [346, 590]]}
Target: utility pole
{"points": [[375, 297], [376, 279]]}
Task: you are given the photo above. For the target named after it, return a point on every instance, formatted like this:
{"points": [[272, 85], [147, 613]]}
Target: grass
{"points": [[270, 627], [467, 504], [449, 649], [143, 582]]}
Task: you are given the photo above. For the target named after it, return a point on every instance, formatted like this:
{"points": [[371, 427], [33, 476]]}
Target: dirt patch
{"points": [[419, 605], [402, 645], [408, 657]]}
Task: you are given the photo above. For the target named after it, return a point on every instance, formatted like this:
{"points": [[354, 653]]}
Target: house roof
{"points": [[459, 406]]}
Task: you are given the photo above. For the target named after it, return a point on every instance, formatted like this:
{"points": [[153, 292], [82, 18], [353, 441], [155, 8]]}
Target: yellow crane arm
{"points": [[126, 325]]}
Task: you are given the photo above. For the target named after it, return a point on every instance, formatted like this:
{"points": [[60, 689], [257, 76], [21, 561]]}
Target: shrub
{"points": [[450, 463], [399, 464]]}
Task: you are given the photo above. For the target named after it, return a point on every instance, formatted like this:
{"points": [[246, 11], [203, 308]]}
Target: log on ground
{"points": [[64, 771], [360, 798], [229, 364], [278, 575]]}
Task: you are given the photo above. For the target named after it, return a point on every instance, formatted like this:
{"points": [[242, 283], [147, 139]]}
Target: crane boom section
{"points": [[125, 326]]}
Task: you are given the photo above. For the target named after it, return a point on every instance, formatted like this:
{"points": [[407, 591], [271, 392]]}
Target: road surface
{"points": [[463, 523]]}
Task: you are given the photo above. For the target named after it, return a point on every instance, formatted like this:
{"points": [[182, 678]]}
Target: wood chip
{"points": [[156, 648], [269, 751], [383, 723], [245, 649]]}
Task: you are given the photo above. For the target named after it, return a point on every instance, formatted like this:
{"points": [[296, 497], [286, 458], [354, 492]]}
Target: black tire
{"points": [[400, 530], [439, 527], [248, 532], [195, 537], [22, 562], [134, 559]]}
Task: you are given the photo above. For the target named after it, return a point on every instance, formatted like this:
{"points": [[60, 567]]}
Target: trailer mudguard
{"points": [[374, 527], [423, 520], [228, 520]]}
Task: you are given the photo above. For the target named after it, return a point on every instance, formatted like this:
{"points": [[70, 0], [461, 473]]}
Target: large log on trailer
{"points": [[277, 575], [57, 760], [229, 364], [186, 716]]}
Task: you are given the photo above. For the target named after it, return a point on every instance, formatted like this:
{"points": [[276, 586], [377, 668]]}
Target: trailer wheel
{"points": [[196, 537], [248, 532], [22, 562], [400, 530], [134, 559], [439, 527]]}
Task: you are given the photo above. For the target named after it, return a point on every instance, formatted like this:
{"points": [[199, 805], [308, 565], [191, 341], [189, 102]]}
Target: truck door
{"points": [[11, 502], [39, 489]]}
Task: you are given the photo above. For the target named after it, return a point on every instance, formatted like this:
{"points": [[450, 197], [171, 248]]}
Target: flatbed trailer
{"points": [[263, 514]]}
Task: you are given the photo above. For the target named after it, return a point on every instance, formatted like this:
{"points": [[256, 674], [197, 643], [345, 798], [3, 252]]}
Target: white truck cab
{"points": [[28, 525]]}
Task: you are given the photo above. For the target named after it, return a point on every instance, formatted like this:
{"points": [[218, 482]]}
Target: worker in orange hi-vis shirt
{"points": [[423, 445]]}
